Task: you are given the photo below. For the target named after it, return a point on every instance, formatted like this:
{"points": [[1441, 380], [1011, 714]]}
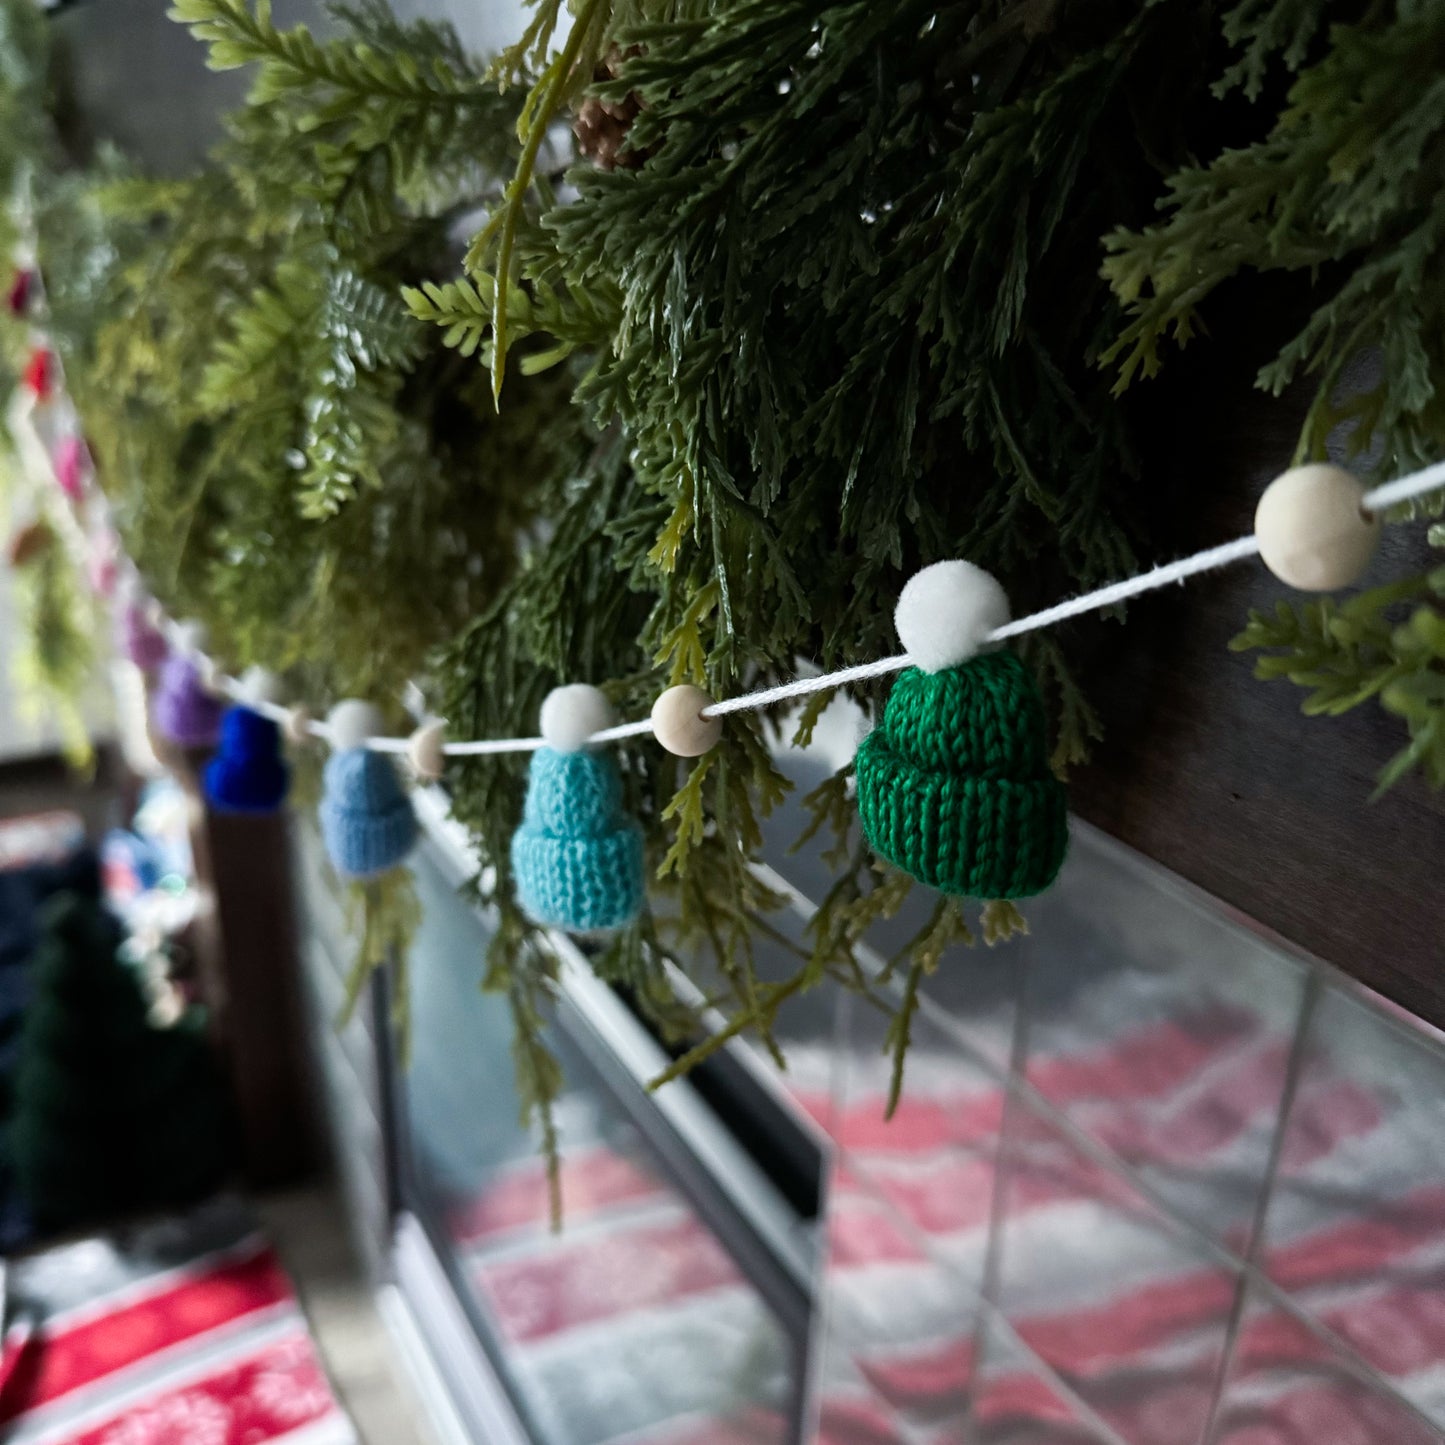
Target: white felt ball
{"points": [[189, 637], [679, 725], [946, 612], [260, 685], [570, 715], [297, 726], [352, 722], [1312, 530], [424, 750]]}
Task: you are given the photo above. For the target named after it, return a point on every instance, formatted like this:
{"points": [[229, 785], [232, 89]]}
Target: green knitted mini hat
{"points": [[954, 787]]}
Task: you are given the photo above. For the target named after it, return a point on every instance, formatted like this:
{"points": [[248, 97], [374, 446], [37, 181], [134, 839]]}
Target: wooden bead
{"points": [[1312, 529], [297, 726], [424, 751], [678, 722]]}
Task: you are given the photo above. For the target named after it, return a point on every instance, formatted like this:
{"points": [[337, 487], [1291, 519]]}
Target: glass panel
{"points": [[1127, 1310], [1288, 1384], [1162, 1027], [933, 1162], [1017, 1403], [1356, 1225], [898, 1324], [633, 1320]]}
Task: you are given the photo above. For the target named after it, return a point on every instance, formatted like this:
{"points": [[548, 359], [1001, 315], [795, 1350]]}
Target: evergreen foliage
{"points": [[1343, 184], [110, 1114], [292, 456], [877, 286], [826, 310], [55, 660]]}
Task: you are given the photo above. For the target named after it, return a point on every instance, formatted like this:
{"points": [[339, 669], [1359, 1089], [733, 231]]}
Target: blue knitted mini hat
{"points": [[367, 821], [577, 858], [248, 774]]}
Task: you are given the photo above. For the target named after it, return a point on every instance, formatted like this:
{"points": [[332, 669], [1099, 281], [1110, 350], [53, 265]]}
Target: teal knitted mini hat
{"points": [[577, 858], [954, 786]]}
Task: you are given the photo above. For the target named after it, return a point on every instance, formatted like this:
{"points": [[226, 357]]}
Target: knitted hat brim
{"points": [[364, 845], [244, 789], [188, 732], [974, 837], [579, 884]]}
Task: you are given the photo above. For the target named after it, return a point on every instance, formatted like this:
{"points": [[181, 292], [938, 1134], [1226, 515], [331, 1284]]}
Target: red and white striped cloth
{"points": [[144, 1344]]}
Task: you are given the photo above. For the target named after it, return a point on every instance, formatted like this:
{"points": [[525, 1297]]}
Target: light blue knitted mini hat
{"points": [[577, 858], [367, 820]]}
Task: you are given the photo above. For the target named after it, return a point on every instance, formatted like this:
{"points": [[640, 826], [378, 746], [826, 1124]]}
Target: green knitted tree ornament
{"points": [[955, 788]]}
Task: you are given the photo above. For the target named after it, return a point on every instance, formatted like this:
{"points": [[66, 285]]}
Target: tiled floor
{"points": [[310, 1231]]}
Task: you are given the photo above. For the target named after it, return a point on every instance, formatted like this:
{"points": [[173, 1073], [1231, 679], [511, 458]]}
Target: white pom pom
{"points": [[570, 715], [259, 685], [352, 722], [189, 637], [297, 726], [424, 750], [946, 612]]}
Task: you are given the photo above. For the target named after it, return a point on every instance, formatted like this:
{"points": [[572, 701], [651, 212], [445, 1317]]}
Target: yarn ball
{"points": [[954, 785], [570, 715], [367, 822], [184, 712], [577, 858], [140, 639], [247, 774], [70, 467], [946, 612]]}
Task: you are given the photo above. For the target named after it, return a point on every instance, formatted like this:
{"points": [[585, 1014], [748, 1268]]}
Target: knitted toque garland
{"points": [[954, 785], [577, 858], [367, 821], [248, 774], [185, 713]]}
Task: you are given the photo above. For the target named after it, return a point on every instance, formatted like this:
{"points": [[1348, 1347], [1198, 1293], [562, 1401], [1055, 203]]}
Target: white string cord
{"points": [[1405, 489], [1380, 499]]}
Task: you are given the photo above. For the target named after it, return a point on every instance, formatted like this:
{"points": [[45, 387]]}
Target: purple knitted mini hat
{"points": [[140, 639], [184, 711]]}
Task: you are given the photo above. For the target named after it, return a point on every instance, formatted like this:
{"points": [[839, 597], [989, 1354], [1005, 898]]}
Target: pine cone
{"points": [[601, 126]]}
